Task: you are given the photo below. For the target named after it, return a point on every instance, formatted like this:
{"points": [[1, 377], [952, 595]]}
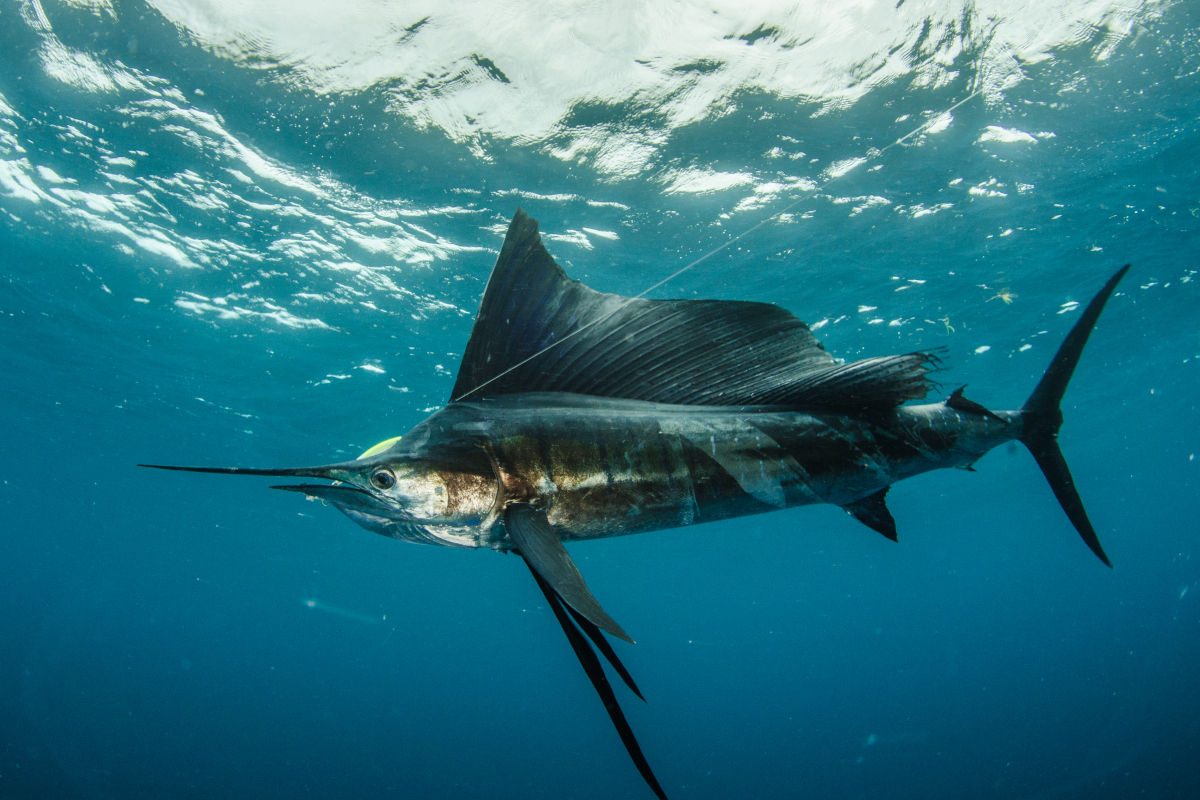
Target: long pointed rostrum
{"points": [[289, 472], [595, 672]]}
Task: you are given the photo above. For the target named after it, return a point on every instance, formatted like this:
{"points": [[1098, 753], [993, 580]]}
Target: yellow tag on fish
{"points": [[379, 448]]}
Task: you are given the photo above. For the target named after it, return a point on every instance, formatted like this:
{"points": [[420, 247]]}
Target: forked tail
{"points": [[1042, 416]]}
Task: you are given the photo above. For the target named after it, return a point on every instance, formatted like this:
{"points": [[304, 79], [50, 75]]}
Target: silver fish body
{"points": [[603, 467]]}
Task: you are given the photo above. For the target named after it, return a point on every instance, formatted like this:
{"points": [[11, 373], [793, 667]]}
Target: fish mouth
{"points": [[347, 497], [370, 512], [351, 498]]}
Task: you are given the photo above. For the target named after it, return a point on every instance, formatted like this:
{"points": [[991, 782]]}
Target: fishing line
{"points": [[870, 154]]}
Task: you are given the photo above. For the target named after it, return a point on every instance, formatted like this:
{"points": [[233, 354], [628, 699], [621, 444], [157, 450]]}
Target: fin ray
{"points": [[539, 331]]}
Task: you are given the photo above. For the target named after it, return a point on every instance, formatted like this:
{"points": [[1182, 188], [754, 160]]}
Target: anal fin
{"points": [[533, 535], [872, 511]]}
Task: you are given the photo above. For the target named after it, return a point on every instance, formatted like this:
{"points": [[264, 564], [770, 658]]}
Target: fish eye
{"points": [[383, 479]]}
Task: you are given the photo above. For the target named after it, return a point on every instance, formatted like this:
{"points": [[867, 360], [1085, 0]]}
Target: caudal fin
{"points": [[1043, 417]]}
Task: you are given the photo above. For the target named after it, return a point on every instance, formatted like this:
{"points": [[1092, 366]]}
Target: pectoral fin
{"points": [[872, 511], [533, 535]]}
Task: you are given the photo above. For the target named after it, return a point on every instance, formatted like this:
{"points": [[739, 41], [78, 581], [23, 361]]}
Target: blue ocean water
{"points": [[257, 236]]}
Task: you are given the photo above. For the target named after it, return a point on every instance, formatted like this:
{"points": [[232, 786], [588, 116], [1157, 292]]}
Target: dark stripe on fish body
{"points": [[546, 457], [606, 465], [899, 443], [668, 460], [820, 448], [717, 494], [938, 441]]}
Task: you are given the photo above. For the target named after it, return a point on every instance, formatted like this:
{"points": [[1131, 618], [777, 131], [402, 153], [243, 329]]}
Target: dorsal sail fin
{"points": [[694, 352]]}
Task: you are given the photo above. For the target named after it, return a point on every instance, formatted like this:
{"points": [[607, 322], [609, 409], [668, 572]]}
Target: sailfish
{"points": [[581, 415]]}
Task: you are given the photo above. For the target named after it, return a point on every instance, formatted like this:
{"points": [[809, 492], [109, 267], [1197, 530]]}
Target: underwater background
{"points": [[257, 234]]}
